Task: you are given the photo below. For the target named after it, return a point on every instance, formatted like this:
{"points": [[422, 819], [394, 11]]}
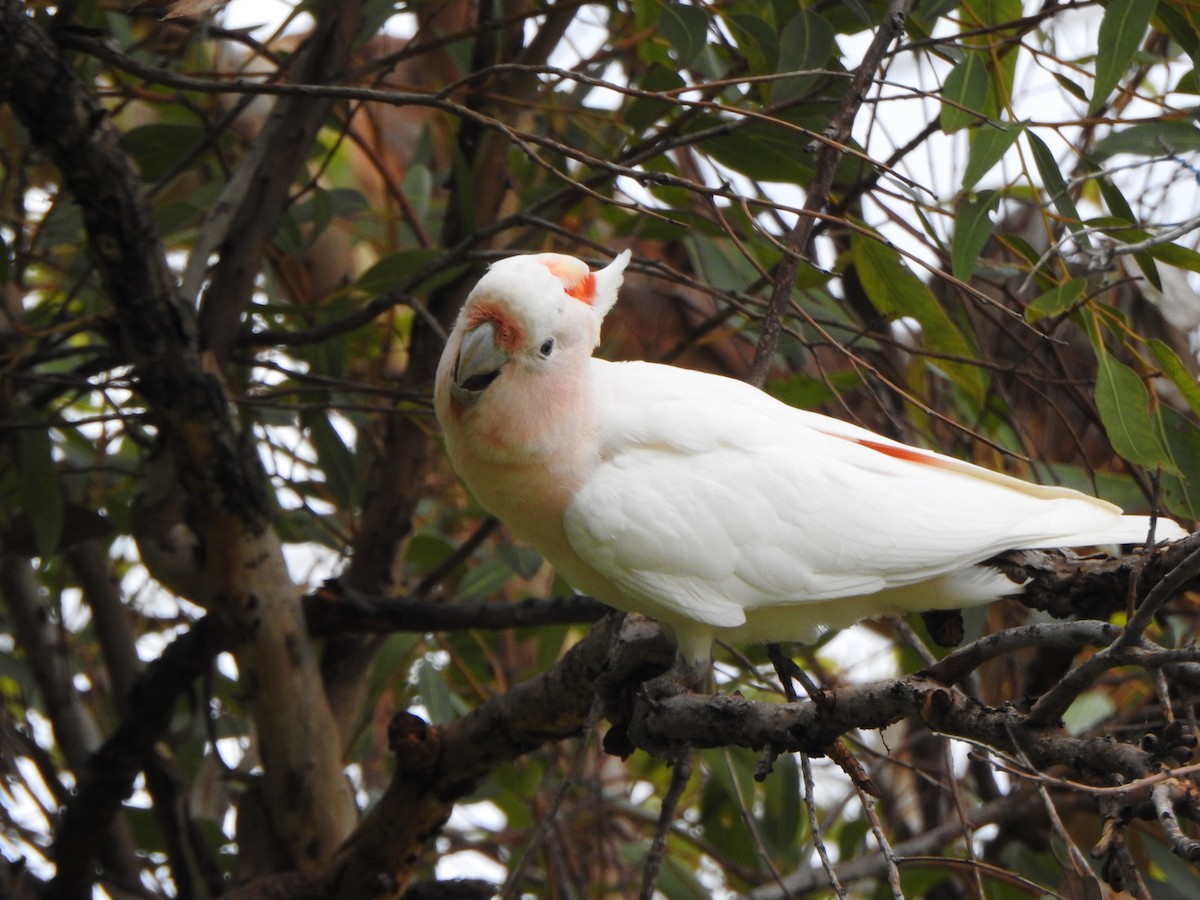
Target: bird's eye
{"points": [[547, 348]]}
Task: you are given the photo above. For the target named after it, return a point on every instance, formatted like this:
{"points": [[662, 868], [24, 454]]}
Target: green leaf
{"points": [[782, 814], [1124, 406], [808, 392], [1149, 139], [1172, 254], [336, 460], [757, 39], [39, 490], [965, 93], [159, 147], [987, 146], [1070, 86], [765, 151], [1056, 301], [1120, 208], [1055, 185], [1175, 370], [1087, 711], [895, 291], [685, 27], [644, 111], [524, 561], [973, 226], [436, 695], [805, 43], [1121, 32], [397, 268], [1181, 489], [484, 581]]}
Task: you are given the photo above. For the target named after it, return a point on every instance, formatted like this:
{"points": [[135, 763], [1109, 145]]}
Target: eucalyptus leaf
{"points": [[988, 144], [1124, 406], [39, 490], [685, 27], [897, 292], [1121, 32], [972, 227]]}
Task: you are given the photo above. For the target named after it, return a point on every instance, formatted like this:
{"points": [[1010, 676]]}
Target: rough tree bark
{"points": [[158, 333]]}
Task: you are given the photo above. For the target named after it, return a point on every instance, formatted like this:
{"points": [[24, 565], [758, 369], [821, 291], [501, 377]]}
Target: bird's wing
{"points": [[712, 498]]}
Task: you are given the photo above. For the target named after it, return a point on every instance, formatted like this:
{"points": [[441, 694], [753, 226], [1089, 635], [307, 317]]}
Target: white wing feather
{"points": [[712, 500]]}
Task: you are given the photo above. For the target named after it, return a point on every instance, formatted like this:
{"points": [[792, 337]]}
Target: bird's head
{"points": [[527, 315]]}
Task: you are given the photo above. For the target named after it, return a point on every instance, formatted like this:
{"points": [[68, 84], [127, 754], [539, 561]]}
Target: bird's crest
{"points": [[597, 289], [578, 280]]}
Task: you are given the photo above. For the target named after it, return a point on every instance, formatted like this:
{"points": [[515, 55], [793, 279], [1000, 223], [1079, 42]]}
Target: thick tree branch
{"points": [[218, 468], [107, 777], [246, 215], [336, 608], [436, 766]]}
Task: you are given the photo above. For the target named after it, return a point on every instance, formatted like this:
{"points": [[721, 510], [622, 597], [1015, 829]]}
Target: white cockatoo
{"points": [[706, 503]]}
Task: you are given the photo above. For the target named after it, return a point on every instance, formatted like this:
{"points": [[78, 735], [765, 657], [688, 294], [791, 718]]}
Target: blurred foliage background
{"points": [[984, 241]]}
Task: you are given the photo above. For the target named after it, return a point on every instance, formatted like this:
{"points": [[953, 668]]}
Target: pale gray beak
{"points": [[480, 360]]}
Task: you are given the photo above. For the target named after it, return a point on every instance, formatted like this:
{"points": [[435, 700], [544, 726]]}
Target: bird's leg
{"points": [[684, 677], [788, 670]]}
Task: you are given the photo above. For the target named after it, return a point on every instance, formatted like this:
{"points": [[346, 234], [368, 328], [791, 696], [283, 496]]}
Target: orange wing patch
{"points": [[908, 454], [578, 280]]}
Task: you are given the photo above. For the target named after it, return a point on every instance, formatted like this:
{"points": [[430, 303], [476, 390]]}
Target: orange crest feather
{"points": [[578, 280]]}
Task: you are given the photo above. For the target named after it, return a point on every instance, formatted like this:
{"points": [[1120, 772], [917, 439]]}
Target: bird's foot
{"points": [[789, 671]]}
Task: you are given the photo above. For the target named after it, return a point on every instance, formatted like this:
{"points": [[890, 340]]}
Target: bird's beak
{"points": [[479, 362]]}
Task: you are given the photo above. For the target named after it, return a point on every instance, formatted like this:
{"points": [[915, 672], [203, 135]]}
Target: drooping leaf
{"points": [[1121, 209], [483, 581], [757, 39], [161, 145], [965, 93], [1124, 406], [39, 490], [896, 291], [685, 27], [398, 267], [1172, 254], [765, 151], [973, 226], [783, 816], [1121, 32], [1181, 488], [1056, 301], [1175, 370], [336, 460], [805, 43], [987, 146], [1055, 185], [1149, 139], [439, 700]]}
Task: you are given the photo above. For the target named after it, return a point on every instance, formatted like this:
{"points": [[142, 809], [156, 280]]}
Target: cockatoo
{"points": [[705, 503]]}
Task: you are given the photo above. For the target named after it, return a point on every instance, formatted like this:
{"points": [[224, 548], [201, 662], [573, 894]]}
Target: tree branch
{"points": [[832, 148], [438, 765], [217, 464], [336, 608], [245, 217]]}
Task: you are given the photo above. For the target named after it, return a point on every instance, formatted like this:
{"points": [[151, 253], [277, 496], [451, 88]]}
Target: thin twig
{"points": [[889, 855], [810, 801], [512, 887], [680, 775], [830, 153], [1051, 705]]}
